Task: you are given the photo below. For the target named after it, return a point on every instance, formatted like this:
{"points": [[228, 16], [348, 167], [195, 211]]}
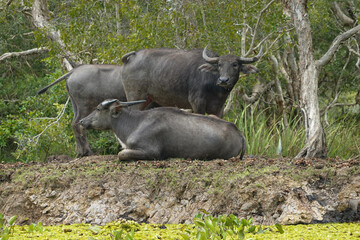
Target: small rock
{"points": [[52, 194], [354, 204]]}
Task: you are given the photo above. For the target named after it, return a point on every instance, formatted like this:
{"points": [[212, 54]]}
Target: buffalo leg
{"points": [[83, 146], [134, 154]]}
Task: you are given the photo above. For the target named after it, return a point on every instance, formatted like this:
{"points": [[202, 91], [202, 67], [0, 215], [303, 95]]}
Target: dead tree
{"points": [[309, 70]]}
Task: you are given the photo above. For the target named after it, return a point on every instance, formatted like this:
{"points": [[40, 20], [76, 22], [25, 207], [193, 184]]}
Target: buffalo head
{"points": [[100, 119], [229, 67]]}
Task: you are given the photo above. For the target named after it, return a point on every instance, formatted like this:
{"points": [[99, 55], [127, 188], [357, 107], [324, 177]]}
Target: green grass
{"points": [[267, 135]]}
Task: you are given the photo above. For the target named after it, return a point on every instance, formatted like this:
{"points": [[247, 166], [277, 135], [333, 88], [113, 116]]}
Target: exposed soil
{"points": [[100, 189]]}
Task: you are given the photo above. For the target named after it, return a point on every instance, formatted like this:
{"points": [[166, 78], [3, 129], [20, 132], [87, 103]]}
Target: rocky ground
{"points": [[99, 189]]}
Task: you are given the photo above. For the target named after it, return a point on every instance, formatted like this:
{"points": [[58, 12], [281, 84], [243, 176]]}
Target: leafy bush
{"points": [[224, 227], [6, 230]]}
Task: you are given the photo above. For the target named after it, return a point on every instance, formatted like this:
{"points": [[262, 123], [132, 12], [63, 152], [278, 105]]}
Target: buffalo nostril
{"points": [[223, 79]]}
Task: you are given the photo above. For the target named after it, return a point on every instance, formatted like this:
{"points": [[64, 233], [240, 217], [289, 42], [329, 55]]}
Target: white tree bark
{"points": [[23, 53], [40, 14], [335, 46], [309, 69], [341, 15], [315, 136]]}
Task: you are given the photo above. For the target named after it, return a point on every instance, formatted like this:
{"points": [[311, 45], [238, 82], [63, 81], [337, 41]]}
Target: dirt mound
{"points": [[99, 189]]}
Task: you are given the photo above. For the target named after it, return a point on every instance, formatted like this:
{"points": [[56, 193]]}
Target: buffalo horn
{"points": [[209, 59], [253, 59], [125, 58], [126, 104], [107, 103]]}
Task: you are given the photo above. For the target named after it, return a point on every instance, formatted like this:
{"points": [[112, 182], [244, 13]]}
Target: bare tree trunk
{"points": [[309, 69], [117, 16], [315, 136]]}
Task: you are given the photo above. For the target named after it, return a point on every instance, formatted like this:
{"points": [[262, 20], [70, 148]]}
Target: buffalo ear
{"points": [[248, 68], [115, 111], [207, 67]]}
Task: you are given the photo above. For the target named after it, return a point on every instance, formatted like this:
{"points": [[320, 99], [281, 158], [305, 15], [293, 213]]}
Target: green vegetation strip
{"points": [[175, 231]]}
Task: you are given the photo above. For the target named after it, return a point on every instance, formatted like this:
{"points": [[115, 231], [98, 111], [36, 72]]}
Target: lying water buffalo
{"points": [[184, 79], [89, 85], [164, 132]]}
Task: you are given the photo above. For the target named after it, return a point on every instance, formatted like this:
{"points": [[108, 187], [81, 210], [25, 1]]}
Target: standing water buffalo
{"points": [[164, 132], [89, 85], [184, 79]]}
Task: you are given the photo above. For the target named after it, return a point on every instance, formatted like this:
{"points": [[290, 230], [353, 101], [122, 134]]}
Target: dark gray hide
{"points": [[166, 132], [185, 79], [89, 85]]}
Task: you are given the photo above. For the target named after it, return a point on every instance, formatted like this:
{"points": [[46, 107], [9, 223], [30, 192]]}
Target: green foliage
{"points": [[39, 228], [105, 31], [6, 230], [224, 227], [263, 132], [26, 118], [342, 138]]}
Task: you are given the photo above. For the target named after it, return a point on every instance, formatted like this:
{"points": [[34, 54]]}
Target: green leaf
{"points": [[199, 223], [279, 228], [244, 222], [241, 234], [260, 231], [185, 236], [201, 236], [4, 237], [210, 224], [252, 229], [31, 227]]}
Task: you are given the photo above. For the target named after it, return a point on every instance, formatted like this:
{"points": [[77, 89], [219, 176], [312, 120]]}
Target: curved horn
{"points": [[125, 58], [207, 58], [253, 59], [126, 104], [107, 103]]}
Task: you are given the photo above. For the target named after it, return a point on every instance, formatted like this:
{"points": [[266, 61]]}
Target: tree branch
{"points": [[257, 92], [40, 14], [256, 27], [7, 5], [335, 45], [353, 51], [341, 15], [23, 53], [35, 139]]}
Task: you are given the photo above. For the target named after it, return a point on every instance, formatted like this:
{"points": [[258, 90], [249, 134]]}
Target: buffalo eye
{"points": [[235, 65]]}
